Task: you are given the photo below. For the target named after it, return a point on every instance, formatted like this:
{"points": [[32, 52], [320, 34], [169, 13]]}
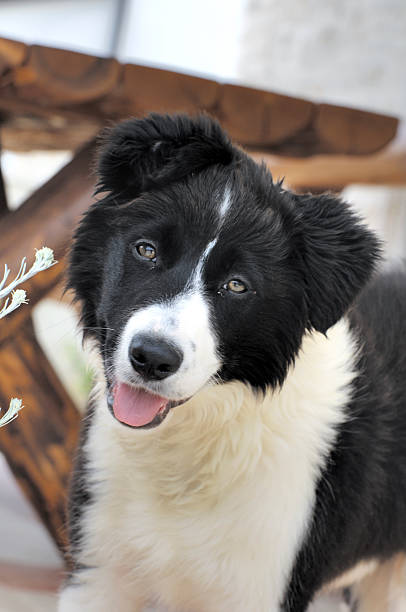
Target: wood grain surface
{"points": [[334, 172], [3, 197], [41, 84], [39, 444], [47, 218]]}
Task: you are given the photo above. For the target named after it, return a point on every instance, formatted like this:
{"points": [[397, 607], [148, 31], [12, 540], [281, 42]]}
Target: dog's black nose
{"points": [[154, 358]]}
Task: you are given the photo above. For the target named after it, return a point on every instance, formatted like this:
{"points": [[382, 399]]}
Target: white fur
{"points": [[184, 321], [196, 279], [207, 511], [225, 204]]}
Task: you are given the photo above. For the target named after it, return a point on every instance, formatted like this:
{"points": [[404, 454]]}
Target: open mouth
{"points": [[138, 408]]}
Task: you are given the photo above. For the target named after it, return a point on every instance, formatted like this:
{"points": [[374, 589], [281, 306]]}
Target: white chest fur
{"points": [[207, 511]]}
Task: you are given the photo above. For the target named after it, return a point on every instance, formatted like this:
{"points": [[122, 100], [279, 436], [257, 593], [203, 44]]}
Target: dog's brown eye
{"points": [[235, 285], [147, 251]]}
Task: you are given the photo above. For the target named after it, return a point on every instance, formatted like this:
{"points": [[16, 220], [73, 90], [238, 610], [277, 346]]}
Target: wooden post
{"points": [[3, 197], [39, 444], [47, 218]]}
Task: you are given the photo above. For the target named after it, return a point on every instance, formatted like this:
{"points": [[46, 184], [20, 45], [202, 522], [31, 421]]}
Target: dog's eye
{"points": [[235, 285], [146, 251]]}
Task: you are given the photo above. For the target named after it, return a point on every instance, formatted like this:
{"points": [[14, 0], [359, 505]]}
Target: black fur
{"points": [[140, 155], [307, 261], [361, 498], [338, 253], [309, 256]]}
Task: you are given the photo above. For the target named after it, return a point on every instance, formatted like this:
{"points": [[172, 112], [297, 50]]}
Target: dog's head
{"points": [[195, 268]]}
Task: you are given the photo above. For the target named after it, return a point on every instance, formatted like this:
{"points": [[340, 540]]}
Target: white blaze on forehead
{"points": [[185, 322], [225, 205], [196, 276]]}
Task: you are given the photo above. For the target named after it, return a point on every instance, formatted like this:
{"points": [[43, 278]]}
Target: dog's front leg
{"points": [[95, 590]]}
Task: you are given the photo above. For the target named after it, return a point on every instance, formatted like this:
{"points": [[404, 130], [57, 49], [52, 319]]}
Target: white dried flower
{"points": [[18, 297], [44, 258], [12, 412]]}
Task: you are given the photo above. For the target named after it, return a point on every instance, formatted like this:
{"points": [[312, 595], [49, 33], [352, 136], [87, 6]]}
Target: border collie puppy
{"points": [[246, 445]]}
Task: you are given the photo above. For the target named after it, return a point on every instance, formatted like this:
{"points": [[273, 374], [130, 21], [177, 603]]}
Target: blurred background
{"points": [[345, 53]]}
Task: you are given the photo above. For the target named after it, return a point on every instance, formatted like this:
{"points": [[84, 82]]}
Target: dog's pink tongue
{"points": [[136, 407]]}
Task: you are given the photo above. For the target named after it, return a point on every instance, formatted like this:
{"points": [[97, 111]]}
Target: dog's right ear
{"points": [[339, 253], [141, 154]]}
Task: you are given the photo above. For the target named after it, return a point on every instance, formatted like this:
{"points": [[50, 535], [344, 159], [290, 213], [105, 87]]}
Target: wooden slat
{"points": [[30, 126], [57, 81], [47, 218], [352, 131], [323, 172], [39, 444], [12, 54], [143, 90], [257, 117], [59, 77], [3, 196], [54, 133]]}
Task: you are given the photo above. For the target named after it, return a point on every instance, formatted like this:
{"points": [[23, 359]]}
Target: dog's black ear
{"points": [[339, 254], [140, 154]]}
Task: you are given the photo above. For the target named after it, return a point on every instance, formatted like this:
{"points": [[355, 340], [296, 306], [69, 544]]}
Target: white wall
{"points": [[349, 52], [72, 24], [195, 36]]}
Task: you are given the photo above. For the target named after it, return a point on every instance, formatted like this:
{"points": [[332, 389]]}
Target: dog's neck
{"points": [[225, 430], [229, 466]]}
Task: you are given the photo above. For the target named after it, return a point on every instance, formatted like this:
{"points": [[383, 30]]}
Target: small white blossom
{"points": [[18, 297], [12, 412], [5, 276], [44, 258]]}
